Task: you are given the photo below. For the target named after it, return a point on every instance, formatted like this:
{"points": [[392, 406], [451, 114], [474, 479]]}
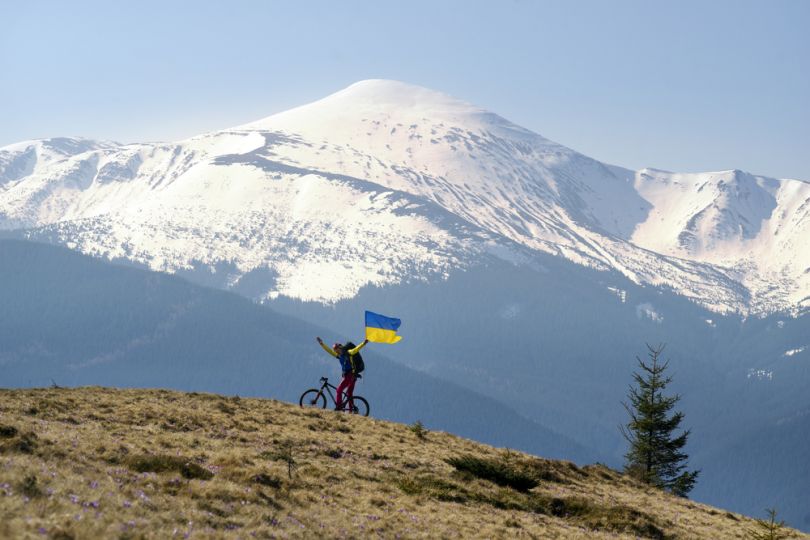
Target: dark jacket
{"points": [[345, 357]]}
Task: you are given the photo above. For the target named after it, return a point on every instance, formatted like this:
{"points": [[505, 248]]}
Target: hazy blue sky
{"points": [[680, 85]]}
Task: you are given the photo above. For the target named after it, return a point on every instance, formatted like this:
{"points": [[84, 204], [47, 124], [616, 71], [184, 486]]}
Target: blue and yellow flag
{"points": [[381, 329]]}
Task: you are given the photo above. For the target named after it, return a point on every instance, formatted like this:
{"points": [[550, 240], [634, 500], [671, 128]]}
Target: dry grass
{"points": [[105, 463]]}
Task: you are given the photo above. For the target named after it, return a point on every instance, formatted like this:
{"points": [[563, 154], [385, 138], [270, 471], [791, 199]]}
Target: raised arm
{"points": [[356, 350], [326, 347]]}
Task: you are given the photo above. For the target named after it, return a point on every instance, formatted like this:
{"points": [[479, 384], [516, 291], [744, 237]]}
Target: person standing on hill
{"points": [[346, 356]]}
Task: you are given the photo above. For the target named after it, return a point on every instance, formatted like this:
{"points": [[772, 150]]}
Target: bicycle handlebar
{"points": [[324, 379]]}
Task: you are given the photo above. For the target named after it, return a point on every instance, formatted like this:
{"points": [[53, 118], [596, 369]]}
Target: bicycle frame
{"points": [[329, 387]]}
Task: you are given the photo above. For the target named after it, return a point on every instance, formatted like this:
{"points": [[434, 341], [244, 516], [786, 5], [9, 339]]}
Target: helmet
{"points": [[335, 346]]}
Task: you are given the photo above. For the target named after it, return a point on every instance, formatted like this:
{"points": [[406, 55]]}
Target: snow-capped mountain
{"points": [[385, 182]]}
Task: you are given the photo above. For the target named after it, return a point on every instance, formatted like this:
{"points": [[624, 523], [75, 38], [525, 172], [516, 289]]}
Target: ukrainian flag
{"points": [[381, 329]]}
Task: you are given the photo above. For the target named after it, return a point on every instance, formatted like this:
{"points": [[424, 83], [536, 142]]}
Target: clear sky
{"points": [[678, 85]]}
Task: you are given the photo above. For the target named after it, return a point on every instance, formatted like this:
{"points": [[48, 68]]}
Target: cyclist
{"points": [[347, 366]]}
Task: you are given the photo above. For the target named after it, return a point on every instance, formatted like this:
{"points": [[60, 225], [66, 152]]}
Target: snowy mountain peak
{"points": [[384, 92], [384, 182], [381, 95], [380, 102]]}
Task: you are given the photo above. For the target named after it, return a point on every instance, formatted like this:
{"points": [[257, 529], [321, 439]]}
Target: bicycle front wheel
{"points": [[313, 398], [360, 406]]}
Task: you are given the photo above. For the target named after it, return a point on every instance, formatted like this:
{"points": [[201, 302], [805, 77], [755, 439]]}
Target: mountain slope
{"points": [[99, 462], [385, 182], [558, 344], [77, 321]]}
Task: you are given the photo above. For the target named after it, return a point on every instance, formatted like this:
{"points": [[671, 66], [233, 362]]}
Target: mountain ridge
{"points": [[517, 187]]}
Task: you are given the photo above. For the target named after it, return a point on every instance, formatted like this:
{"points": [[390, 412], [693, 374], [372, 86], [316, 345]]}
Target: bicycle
{"points": [[316, 397]]}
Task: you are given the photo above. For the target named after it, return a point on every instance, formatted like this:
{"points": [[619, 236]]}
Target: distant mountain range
{"points": [[386, 183], [523, 270]]}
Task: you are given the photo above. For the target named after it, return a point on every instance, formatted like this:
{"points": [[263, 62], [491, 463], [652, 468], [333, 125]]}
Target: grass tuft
{"points": [[494, 471], [434, 487], [622, 519], [7, 432], [29, 487], [601, 471], [225, 408], [611, 518], [551, 471], [16, 441], [419, 430], [266, 480], [61, 534], [163, 463]]}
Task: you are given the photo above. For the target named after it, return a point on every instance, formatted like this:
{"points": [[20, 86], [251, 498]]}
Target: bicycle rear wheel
{"points": [[312, 398], [360, 406]]}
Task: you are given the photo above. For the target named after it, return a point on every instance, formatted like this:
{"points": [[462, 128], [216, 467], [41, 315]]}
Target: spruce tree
{"points": [[656, 454]]}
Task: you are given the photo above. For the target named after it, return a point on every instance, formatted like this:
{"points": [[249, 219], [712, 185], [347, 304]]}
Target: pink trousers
{"points": [[346, 385]]}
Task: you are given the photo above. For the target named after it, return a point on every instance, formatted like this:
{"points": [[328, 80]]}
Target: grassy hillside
{"points": [[79, 321], [560, 349], [108, 463]]}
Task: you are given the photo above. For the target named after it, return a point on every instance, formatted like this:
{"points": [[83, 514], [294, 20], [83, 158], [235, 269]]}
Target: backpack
{"points": [[358, 366]]}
